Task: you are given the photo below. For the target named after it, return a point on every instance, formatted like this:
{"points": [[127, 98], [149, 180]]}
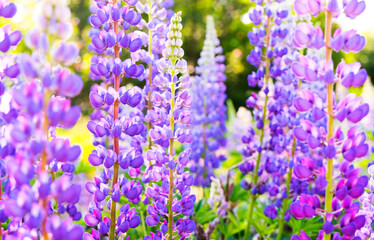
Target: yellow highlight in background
{"points": [[79, 135]]}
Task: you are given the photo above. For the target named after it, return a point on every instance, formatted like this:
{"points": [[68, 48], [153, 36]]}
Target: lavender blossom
{"points": [[166, 170], [209, 110], [322, 135], [266, 156], [117, 119], [39, 105]]}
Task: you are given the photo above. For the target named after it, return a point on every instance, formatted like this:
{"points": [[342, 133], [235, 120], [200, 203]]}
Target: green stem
{"points": [[250, 212], [285, 200], [143, 223], [171, 150], [113, 205], [288, 182], [330, 121], [150, 71], [255, 175]]}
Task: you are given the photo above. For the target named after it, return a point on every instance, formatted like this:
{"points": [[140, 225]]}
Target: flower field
{"points": [[209, 119]]}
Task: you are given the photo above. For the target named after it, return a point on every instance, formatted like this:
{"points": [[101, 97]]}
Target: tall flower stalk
{"points": [[330, 140], [149, 94], [330, 118], [264, 112], [8, 76], [270, 47], [39, 105], [170, 198], [157, 25], [209, 110], [116, 117]]}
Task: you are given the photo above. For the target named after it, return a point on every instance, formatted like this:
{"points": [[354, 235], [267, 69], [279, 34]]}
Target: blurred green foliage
{"points": [[231, 30]]}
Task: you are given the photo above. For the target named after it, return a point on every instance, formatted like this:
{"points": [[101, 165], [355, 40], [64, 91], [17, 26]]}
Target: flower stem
{"points": [[285, 200], [143, 223], [205, 142], [113, 206], [255, 175], [171, 151], [330, 122], [150, 71], [44, 163], [288, 183]]}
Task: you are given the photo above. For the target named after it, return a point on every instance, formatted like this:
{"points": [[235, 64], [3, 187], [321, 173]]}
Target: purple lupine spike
{"points": [[164, 165], [39, 105], [114, 123], [266, 158], [318, 132], [208, 109], [11, 71]]}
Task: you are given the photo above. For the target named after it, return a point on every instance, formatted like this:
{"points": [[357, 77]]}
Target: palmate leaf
{"points": [[239, 193], [235, 227], [264, 225], [207, 217], [309, 226], [204, 214]]}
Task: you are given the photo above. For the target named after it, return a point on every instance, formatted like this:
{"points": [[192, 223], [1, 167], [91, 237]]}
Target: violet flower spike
{"points": [[209, 111], [117, 119], [158, 21], [267, 154], [38, 106], [326, 137], [9, 73], [172, 108]]}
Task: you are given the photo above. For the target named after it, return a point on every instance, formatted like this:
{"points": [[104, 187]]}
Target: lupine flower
{"points": [[209, 111], [218, 204], [367, 209], [320, 135], [171, 107], [158, 20], [301, 236], [267, 153], [313, 7], [353, 8], [9, 70], [117, 117], [38, 106]]}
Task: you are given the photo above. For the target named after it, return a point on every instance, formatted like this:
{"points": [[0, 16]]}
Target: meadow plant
{"points": [[160, 137], [208, 109], [42, 199], [170, 200], [266, 156], [115, 119], [334, 178]]}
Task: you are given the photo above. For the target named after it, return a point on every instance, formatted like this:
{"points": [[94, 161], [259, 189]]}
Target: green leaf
{"points": [[207, 217], [309, 226]]}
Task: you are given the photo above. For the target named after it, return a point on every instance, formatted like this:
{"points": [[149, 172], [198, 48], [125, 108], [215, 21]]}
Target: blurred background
{"points": [[232, 24]]}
